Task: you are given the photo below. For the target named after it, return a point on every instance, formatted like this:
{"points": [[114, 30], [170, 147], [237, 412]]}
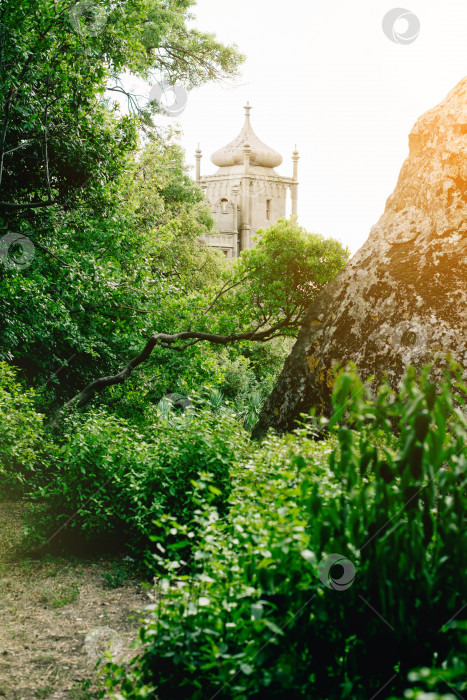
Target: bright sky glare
{"points": [[325, 76]]}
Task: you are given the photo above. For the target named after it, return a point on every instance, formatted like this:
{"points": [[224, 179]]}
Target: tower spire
{"points": [[294, 187], [198, 156]]}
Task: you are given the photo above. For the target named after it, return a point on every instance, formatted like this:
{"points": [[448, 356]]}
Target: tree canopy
{"points": [[60, 138], [115, 220], [264, 296]]}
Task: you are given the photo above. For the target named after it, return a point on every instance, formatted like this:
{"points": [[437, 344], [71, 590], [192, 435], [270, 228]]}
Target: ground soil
{"points": [[58, 616]]}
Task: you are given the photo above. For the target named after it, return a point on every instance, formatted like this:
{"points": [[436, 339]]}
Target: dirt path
{"points": [[58, 616]]}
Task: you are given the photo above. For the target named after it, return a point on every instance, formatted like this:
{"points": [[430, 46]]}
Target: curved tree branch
{"points": [[170, 341]]}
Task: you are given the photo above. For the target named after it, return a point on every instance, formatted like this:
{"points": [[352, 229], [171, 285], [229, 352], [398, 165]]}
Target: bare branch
{"points": [[46, 151], [169, 341], [28, 205], [224, 290], [16, 148], [49, 252], [5, 129]]}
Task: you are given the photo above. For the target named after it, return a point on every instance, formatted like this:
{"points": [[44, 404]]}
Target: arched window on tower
{"points": [[224, 204], [268, 210]]}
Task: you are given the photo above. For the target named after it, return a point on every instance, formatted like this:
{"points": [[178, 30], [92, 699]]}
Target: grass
{"points": [[51, 607], [62, 595]]}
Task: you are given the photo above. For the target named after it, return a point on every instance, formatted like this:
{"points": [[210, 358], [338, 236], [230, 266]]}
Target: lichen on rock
{"points": [[402, 299]]}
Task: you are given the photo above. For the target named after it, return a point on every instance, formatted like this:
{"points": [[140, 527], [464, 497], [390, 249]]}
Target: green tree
{"points": [[263, 296], [117, 227], [100, 280], [66, 157], [58, 134]]}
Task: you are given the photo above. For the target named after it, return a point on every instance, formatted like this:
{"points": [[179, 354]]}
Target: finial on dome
{"points": [[234, 153], [198, 150]]}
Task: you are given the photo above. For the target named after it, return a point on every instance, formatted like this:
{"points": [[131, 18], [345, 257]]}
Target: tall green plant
{"points": [[23, 444], [113, 480], [337, 564]]}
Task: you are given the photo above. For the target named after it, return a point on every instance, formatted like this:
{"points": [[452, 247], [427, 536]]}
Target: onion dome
{"points": [[233, 153]]}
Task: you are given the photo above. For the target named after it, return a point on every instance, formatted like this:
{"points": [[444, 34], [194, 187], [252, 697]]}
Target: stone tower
{"points": [[245, 193]]}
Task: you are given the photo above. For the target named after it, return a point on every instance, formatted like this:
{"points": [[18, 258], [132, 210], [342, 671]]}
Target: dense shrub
{"points": [[446, 683], [112, 481], [263, 610], [23, 447], [243, 374]]}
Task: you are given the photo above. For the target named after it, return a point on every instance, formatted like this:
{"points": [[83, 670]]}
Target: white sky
{"points": [[324, 75]]}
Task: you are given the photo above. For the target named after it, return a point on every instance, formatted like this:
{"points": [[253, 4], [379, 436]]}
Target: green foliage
{"points": [[53, 81], [257, 611], [434, 683], [115, 226], [111, 481], [117, 248], [109, 289], [23, 445], [119, 574], [271, 286], [286, 270]]}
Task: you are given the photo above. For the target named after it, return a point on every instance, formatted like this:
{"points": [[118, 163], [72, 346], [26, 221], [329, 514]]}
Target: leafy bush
{"points": [[22, 440], [437, 683], [265, 609], [112, 481], [244, 382]]}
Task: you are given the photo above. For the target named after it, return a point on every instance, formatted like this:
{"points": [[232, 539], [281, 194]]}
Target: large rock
{"points": [[402, 299]]}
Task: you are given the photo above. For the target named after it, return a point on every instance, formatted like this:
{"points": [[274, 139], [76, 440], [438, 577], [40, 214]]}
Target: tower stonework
{"points": [[246, 193]]}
